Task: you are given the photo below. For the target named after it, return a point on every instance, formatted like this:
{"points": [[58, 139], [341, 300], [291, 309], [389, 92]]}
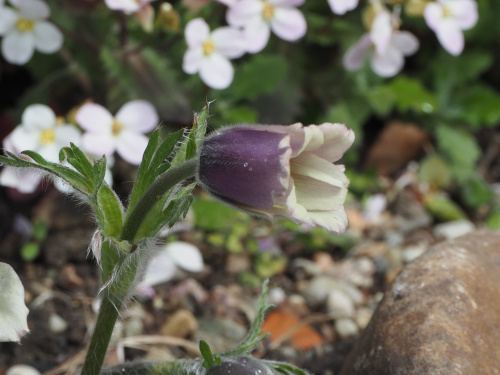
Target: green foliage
{"points": [[458, 146], [30, 251], [443, 207], [410, 94], [435, 171]]}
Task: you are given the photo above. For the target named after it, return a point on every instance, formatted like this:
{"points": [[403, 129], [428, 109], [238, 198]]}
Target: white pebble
{"points": [[346, 327], [339, 304], [57, 324], [22, 370]]}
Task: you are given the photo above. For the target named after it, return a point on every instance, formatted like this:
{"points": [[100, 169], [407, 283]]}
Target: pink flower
{"points": [[259, 17], [208, 53], [388, 63], [342, 6], [123, 133], [282, 171], [447, 18]]}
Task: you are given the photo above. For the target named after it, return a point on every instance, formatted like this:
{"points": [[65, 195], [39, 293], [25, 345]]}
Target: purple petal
{"points": [[246, 166], [289, 23], [139, 116]]}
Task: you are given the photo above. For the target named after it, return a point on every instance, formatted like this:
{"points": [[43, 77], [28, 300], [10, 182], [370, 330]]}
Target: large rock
{"points": [[441, 316]]}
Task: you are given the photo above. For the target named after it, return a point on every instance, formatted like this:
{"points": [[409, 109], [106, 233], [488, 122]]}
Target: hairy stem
{"points": [[160, 186]]}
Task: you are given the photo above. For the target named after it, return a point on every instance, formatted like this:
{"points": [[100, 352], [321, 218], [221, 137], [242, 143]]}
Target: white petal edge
{"points": [[48, 38], [138, 115], [185, 255], [94, 118], [8, 19], [38, 117], [197, 32], [131, 145], [356, 54], [18, 48], [405, 42], [289, 24], [33, 9], [229, 42], [216, 71], [451, 37], [13, 311], [191, 62]]}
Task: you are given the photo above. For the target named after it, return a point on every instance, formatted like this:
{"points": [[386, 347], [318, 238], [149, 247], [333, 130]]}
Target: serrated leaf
{"points": [[459, 146]]}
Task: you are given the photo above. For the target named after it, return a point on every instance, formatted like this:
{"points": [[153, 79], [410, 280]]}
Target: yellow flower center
{"points": [[47, 136], [267, 11], [447, 12], [208, 47], [24, 25], [116, 128]]}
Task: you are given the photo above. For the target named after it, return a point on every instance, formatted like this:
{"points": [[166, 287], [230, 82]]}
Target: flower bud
{"points": [[278, 170]]}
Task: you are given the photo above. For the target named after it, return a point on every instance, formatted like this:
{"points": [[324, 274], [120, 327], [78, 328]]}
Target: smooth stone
{"points": [[346, 327], [441, 315], [339, 304], [454, 229]]}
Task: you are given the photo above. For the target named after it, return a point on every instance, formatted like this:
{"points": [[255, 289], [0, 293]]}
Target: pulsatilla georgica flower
{"points": [[275, 170]]}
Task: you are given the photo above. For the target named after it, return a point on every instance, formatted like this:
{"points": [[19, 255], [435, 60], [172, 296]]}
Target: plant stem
{"points": [[109, 310], [160, 186], [98, 347]]}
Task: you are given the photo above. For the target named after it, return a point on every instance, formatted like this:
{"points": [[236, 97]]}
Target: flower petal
{"points": [[98, 144], [94, 118], [22, 139], [342, 6], [450, 36], [185, 255], [13, 311], [381, 31], [159, 270], [216, 71], [289, 24], [33, 9], [191, 62], [464, 12], [405, 41], [244, 12], [24, 180], [246, 166], [229, 42], [38, 117], [337, 138], [433, 15], [131, 145], [139, 116], [356, 54], [197, 32], [8, 19], [66, 134], [286, 3], [314, 167], [17, 48], [126, 6], [48, 38], [388, 64], [256, 35], [334, 221]]}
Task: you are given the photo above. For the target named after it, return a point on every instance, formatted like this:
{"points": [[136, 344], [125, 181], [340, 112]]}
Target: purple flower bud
{"points": [[278, 170]]}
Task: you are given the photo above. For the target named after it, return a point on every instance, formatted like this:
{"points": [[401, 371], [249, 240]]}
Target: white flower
{"points": [[127, 6], [123, 133], [209, 52], [388, 63], [40, 131], [259, 17], [447, 18], [13, 311], [24, 29], [342, 6]]}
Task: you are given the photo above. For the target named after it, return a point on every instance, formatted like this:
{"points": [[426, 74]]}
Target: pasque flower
{"points": [[24, 29], [259, 17], [209, 52], [285, 171], [123, 133], [447, 18]]}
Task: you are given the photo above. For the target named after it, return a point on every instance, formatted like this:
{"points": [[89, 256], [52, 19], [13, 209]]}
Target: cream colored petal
{"points": [[311, 165], [316, 195], [338, 138], [334, 221], [314, 138]]}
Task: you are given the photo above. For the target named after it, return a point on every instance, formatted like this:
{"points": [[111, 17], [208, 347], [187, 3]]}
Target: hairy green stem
{"points": [[109, 310], [98, 347], [160, 186]]}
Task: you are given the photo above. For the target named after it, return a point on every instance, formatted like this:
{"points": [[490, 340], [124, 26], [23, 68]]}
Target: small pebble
{"points": [[346, 327], [22, 370], [57, 324], [339, 304], [411, 253], [453, 229]]}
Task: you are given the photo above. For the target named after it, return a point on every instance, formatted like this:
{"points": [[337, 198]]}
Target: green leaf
{"points": [[109, 211], [206, 353], [435, 171], [479, 105], [493, 219], [79, 160], [410, 94], [153, 164], [214, 216], [286, 368], [443, 207], [271, 71], [255, 335], [30, 251], [381, 99], [475, 191], [459, 146], [40, 230], [99, 172]]}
